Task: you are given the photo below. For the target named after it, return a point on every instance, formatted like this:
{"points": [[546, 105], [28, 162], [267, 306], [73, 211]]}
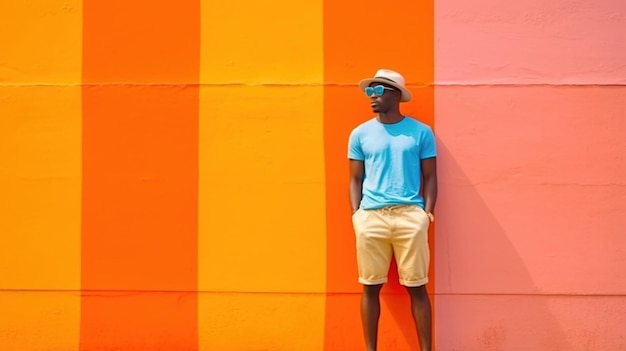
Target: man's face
{"points": [[384, 102]]}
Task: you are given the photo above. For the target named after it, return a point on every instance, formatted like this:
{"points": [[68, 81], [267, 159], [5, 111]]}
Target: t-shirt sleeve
{"points": [[354, 147], [429, 148]]}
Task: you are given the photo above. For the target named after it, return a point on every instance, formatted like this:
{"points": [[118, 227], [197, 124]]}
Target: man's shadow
{"points": [[492, 252]]}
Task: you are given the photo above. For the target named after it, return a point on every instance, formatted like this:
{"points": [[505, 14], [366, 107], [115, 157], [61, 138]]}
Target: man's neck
{"points": [[390, 117]]}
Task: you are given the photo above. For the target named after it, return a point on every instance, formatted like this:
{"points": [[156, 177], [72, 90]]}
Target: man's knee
{"points": [[372, 290], [418, 291]]}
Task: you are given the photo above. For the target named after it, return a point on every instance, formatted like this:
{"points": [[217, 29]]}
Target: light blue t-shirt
{"points": [[392, 155]]}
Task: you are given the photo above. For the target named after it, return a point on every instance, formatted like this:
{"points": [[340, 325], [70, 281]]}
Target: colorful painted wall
{"points": [[173, 175]]}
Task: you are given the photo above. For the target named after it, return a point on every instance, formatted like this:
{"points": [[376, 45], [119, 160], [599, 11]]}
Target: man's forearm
{"points": [[356, 193], [430, 194]]}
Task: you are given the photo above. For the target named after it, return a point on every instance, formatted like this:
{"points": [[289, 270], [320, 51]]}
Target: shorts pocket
{"points": [[422, 213]]}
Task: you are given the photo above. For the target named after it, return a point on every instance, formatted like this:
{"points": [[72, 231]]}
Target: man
{"points": [[389, 156]]}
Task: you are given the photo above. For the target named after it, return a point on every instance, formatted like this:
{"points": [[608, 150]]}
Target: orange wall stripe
{"points": [[140, 175], [354, 49]]}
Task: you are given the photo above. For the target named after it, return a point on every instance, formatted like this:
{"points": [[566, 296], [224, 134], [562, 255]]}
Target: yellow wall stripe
{"points": [[261, 204], [40, 167]]}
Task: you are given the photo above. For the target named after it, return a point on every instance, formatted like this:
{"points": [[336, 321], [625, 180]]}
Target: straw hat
{"points": [[389, 77]]}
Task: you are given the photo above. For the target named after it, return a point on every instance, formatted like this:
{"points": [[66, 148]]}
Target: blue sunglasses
{"points": [[379, 90]]}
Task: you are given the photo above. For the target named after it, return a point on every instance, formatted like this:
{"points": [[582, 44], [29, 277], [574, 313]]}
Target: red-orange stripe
{"points": [[141, 63], [354, 48]]}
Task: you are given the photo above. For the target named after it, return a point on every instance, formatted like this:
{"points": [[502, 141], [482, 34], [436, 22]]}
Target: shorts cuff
{"points": [[372, 282], [414, 283]]}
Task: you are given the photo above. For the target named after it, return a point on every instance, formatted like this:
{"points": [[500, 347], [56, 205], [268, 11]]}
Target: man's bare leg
{"points": [[370, 313], [420, 308]]}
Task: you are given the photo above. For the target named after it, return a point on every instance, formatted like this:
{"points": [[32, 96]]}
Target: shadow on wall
{"points": [[485, 297]]}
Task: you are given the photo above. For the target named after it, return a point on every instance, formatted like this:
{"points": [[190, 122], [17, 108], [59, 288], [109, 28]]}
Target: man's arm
{"points": [[357, 170], [429, 172]]}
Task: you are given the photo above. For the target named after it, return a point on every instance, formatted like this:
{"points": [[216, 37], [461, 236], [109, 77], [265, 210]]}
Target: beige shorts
{"points": [[400, 231]]}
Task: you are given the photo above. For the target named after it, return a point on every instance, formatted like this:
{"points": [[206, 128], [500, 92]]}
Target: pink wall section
{"points": [[531, 231], [532, 41], [529, 170]]}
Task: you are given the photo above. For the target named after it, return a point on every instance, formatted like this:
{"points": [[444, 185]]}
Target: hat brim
{"points": [[406, 95]]}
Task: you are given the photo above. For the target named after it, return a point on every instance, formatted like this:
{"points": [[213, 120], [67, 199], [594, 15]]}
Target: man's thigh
{"points": [[410, 246], [373, 246]]}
